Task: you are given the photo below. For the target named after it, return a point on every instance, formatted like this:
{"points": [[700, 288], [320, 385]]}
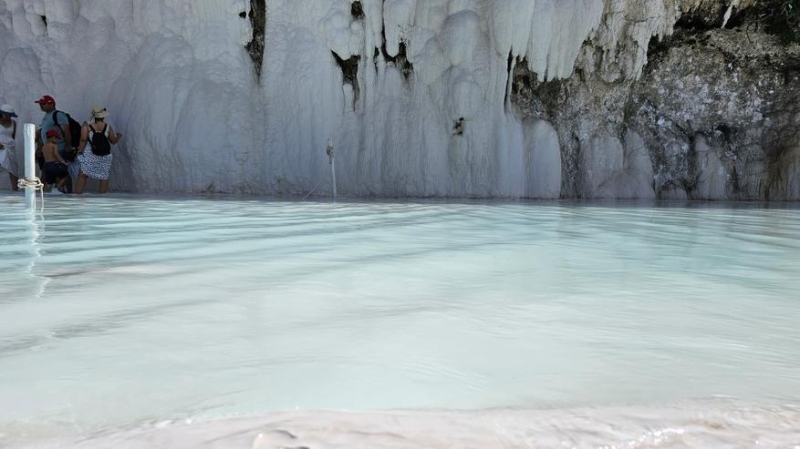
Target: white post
{"points": [[30, 165], [333, 167]]}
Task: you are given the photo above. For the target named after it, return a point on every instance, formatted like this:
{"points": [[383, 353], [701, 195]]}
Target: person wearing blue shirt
{"points": [[48, 105]]}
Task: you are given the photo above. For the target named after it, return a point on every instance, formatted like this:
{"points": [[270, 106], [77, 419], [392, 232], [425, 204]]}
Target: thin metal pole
{"points": [[330, 152]]}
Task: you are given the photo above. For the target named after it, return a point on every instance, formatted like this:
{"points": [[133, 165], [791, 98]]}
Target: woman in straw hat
{"points": [[8, 143], [97, 137]]}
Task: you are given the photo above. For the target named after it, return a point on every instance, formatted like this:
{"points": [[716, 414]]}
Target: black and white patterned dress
{"points": [[94, 166]]}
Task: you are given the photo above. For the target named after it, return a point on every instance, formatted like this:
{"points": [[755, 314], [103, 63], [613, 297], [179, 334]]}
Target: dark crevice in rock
{"points": [[725, 130], [509, 76], [791, 70], [401, 59], [458, 128], [704, 20], [540, 98], [349, 69], [697, 27], [357, 11], [734, 57], [689, 183], [658, 49], [735, 184], [258, 21], [777, 17], [694, 29], [44, 20], [737, 20]]}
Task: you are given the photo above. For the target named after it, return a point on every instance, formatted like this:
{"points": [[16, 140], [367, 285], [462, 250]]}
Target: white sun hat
{"points": [[8, 110]]}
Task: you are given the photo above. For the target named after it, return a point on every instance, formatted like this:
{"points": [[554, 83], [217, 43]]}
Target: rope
{"points": [[35, 184], [329, 151], [314, 189]]}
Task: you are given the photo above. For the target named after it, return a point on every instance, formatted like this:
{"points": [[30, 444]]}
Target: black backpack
{"points": [[99, 140], [74, 130]]}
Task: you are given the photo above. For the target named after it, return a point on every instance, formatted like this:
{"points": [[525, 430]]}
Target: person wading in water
{"points": [[96, 137]]}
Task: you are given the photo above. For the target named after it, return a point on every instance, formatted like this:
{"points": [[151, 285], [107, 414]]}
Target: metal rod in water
{"points": [[333, 167], [30, 165]]}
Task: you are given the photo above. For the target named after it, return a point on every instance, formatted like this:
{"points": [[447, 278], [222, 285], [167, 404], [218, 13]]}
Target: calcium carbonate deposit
{"points": [[512, 98]]}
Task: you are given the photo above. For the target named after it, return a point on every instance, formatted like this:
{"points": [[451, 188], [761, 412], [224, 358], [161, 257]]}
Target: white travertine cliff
{"points": [[422, 98]]}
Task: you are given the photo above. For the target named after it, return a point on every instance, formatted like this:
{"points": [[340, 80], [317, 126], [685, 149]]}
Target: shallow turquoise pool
{"points": [[122, 310]]}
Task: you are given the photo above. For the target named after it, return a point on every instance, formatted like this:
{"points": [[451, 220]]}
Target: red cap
{"points": [[53, 133], [46, 99]]}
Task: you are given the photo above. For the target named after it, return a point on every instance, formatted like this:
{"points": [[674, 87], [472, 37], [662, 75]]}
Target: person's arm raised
{"points": [[114, 136]]}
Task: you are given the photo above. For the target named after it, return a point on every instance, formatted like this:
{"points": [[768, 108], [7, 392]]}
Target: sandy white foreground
{"points": [[690, 424]]}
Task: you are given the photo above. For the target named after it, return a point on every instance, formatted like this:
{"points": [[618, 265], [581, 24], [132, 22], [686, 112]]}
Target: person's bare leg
{"points": [[14, 181], [81, 183], [104, 186]]}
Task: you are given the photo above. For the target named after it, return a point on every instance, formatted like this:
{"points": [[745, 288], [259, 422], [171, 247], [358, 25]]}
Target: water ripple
{"points": [[236, 305]]}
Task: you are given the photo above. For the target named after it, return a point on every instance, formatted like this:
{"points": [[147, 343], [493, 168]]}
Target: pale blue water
{"points": [[120, 310]]}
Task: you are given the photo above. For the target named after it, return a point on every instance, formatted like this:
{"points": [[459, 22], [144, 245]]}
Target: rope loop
{"points": [[35, 184]]}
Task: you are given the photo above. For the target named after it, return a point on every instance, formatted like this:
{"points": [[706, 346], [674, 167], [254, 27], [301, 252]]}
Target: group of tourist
{"points": [[61, 156]]}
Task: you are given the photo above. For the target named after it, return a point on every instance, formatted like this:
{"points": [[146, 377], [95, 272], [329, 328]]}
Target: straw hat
{"points": [[99, 112]]}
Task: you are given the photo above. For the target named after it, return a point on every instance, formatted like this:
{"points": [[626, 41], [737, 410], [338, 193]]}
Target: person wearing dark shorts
{"points": [[55, 168]]}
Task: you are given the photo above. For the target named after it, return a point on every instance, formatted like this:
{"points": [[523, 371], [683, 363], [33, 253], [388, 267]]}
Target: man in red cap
{"points": [[48, 105]]}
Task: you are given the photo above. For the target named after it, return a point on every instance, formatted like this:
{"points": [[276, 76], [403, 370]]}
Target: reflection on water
{"points": [[193, 307], [21, 249]]}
